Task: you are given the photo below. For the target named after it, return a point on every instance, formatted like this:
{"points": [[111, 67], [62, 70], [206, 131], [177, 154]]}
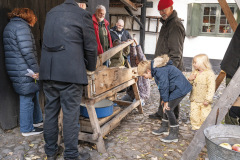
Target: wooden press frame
{"points": [[90, 98]]}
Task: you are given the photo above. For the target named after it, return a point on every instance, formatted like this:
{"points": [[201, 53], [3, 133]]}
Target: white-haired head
{"points": [[101, 7], [120, 25], [100, 13]]}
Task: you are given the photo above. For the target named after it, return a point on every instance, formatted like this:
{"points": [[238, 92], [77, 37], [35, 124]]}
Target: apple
{"points": [[226, 145], [236, 147]]}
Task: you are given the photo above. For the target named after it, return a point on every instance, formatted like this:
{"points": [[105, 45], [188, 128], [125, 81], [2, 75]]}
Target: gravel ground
{"points": [[132, 139]]}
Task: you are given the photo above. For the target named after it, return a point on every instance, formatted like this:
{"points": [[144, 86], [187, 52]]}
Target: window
{"points": [[213, 21]]}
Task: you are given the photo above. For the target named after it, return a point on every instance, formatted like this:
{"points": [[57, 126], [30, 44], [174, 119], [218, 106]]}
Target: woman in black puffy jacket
{"points": [[20, 55]]}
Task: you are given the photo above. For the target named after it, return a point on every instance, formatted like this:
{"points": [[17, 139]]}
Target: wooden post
{"points": [[223, 104], [219, 79], [137, 96], [143, 21], [95, 126]]}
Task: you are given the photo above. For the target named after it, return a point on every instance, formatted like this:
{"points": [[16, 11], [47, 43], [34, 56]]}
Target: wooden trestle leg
{"points": [[95, 126]]}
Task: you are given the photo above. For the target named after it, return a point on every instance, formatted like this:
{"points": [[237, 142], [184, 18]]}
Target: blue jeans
{"points": [[106, 63], [30, 111]]}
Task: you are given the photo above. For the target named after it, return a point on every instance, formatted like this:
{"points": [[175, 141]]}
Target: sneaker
{"points": [[38, 124], [35, 131]]}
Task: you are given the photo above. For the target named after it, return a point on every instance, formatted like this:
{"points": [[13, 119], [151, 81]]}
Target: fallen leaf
{"points": [[179, 151], [170, 150], [138, 157], [35, 157], [94, 147], [165, 155], [10, 153], [31, 145]]}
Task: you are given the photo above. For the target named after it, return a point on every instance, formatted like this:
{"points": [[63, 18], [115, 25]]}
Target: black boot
{"points": [[54, 157], [163, 129], [173, 135], [82, 156]]}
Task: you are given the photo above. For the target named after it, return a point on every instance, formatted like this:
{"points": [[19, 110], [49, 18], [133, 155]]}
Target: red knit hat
{"points": [[162, 4]]}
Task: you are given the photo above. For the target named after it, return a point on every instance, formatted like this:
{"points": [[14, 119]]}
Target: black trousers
{"points": [[160, 110], [68, 97], [169, 114]]}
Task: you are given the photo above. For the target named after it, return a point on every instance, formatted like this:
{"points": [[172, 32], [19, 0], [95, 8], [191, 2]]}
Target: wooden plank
{"points": [[137, 97], [229, 15], [122, 103], [219, 79], [86, 125], [224, 103], [111, 52], [130, 4], [106, 128], [109, 78], [95, 126], [86, 137], [113, 91]]}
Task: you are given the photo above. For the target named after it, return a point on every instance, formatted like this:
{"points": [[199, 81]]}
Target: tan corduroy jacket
{"points": [[203, 87]]}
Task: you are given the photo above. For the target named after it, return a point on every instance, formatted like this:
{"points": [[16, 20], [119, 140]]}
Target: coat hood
{"points": [[161, 61]]}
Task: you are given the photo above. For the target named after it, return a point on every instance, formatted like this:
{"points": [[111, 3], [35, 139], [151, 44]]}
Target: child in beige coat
{"points": [[202, 79]]}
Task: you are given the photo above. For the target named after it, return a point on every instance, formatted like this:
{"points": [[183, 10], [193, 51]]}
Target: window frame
{"points": [[217, 23]]}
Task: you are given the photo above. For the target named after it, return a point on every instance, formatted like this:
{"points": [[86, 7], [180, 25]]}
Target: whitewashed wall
{"points": [[214, 47]]}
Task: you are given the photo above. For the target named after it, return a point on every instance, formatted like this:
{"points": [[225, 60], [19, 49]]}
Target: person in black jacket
{"points": [[69, 49], [230, 64], [20, 55]]}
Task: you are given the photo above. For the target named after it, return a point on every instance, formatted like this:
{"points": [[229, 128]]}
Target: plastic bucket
{"points": [[103, 109], [218, 134]]}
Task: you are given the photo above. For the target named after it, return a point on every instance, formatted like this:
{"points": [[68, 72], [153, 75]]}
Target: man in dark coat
{"points": [[170, 42], [69, 49], [119, 33], [230, 64]]}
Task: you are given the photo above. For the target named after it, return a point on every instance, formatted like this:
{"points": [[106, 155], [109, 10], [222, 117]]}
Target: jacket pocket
{"points": [[54, 49]]}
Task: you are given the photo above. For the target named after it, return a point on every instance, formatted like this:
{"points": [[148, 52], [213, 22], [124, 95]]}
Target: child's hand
{"points": [[165, 107], [205, 103], [162, 103], [35, 76], [192, 77]]}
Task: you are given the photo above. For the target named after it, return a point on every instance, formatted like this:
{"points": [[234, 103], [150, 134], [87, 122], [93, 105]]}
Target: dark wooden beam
{"points": [[143, 21], [130, 4]]}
